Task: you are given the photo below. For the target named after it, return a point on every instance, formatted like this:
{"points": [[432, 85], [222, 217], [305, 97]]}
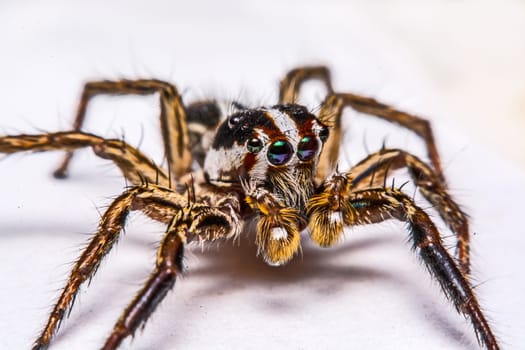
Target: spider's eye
{"points": [[280, 152], [324, 133], [307, 148], [254, 145], [233, 120]]}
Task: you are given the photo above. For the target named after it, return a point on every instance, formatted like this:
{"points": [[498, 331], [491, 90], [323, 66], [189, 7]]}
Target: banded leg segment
{"points": [[331, 114], [161, 281], [372, 172], [135, 166], [112, 223], [172, 118], [377, 205], [204, 222], [291, 84]]}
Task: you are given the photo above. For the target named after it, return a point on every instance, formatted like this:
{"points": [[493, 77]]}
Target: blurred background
{"points": [[468, 54], [457, 63]]}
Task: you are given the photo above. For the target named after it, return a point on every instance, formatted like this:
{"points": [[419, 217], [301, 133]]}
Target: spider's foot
{"points": [[60, 173], [40, 345]]}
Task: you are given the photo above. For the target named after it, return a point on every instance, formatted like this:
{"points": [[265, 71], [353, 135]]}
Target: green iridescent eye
{"points": [[280, 152], [307, 148], [254, 145]]}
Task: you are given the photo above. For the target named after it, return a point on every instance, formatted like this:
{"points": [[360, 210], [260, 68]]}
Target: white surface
{"points": [[368, 293]]}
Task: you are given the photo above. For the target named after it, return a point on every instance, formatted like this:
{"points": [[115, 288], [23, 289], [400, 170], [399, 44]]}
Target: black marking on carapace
{"points": [[242, 130], [245, 121]]}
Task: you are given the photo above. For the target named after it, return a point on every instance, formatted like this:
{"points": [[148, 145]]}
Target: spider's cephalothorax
{"points": [[274, 148], [272, 166], [272, 153]]}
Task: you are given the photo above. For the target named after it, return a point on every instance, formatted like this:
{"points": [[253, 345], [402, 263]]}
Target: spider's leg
{"points": [[160, 282], [377, 205], [159, 203], [331, 114], [135, 166], [199, 221], [291, 83], [337, 206], [278, 227], [372, 172], [172, 118]]}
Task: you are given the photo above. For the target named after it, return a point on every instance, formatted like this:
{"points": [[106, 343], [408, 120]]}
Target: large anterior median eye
{"points": [[280, 152], [307, 148]]}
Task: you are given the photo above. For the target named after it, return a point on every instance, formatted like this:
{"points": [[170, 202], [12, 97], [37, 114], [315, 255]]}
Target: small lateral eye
{"points": [[280, 152], [307, 148], [323, 134], [254, 145], [233, 120]]}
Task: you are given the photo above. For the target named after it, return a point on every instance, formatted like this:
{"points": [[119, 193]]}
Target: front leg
{"points": [[159, 203], [380, 204], [373, 171], [195, 220], [205, 219]]}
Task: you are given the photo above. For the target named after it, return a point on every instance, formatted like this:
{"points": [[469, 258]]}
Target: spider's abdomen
{"points": [[202, 117], [276, 148]]}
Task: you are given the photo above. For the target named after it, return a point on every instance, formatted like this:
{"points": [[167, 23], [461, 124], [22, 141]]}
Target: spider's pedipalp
{"points": [[328, 211], [278, 227]]}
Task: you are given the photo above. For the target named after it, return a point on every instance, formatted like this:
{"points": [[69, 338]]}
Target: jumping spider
{"points": [[273, 166]]}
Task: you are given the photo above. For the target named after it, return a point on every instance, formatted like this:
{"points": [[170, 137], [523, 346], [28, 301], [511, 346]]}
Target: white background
{"points": [[459, 64]]}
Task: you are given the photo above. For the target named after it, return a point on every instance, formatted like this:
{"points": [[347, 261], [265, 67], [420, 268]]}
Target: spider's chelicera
{"points": [[274, 166]]}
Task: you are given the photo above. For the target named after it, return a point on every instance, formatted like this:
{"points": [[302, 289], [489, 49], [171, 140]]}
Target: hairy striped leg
{"points": [[161, 281], [290, 85], [203, 221], [372, 172], [331, 113], [377, 205], [338, 206], [200, 221], [135, 166], [173, 123]]}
